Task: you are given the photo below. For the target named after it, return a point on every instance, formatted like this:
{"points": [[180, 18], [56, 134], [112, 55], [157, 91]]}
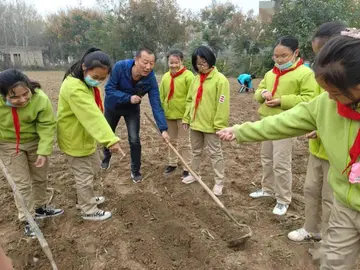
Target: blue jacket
{"points": [[245, 78], [120, 88]]}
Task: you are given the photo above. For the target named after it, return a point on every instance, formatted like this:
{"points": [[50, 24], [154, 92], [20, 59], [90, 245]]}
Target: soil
{"points": [[162, 223]]}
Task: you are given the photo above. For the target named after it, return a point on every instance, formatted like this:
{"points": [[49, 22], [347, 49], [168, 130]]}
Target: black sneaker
{"points": [[28, 231], [47, 212], [185, 174], [170, 169], [136, 177], [105, 164]]}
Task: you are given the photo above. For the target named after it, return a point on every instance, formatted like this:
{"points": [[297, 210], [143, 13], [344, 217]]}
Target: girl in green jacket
{"points": [[335, 116], [317, 191], [27, 130], [286, 85], [207, 111], [174, 88], [81, 124]]}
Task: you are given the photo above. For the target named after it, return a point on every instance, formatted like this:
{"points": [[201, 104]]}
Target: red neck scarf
{"points": [[280, 73], [172, 83], [200, 91], [16, 120], [98, 99], [347, 112], [16, 126]]}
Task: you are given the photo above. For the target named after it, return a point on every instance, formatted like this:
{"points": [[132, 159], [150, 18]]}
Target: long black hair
{"points": [[338, 64], [11, 78], [92, 58]]}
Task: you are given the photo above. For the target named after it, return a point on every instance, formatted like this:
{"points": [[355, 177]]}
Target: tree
{"points": [[156, 24], [106, 34], [66, 32], [21, 25], [301, 18], [215, 19]]}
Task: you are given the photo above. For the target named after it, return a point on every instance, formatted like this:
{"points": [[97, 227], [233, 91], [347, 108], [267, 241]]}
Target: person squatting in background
{"points": [[245, 81]]}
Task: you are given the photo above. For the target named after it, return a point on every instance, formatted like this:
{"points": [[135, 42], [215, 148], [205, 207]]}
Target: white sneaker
{"points": [[259, 194], [301, 235], [217, 190], [188, 179], [280, 209], [98, 200], [99, 215]]}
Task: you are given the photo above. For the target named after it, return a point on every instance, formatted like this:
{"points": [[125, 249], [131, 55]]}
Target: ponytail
{"points": [[92, 58]]}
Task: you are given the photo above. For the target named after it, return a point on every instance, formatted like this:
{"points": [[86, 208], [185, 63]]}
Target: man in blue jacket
{"points": [[129, 81]]}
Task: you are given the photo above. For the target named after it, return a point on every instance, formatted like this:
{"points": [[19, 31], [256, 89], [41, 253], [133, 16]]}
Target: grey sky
{"points": [[48, 6]]}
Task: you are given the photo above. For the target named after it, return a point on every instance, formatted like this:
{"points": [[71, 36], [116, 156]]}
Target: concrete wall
{"points": [[22, 56]]}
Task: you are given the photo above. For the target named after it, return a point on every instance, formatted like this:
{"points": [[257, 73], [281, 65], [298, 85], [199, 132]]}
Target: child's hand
{"points": [[41, 161], [266, 95], [115, 148], [311, 135], [185, 126], [273, 103], [226, 134]]}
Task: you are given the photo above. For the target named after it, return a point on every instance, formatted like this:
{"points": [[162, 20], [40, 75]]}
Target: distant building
{"points": [[17, 56], [267, 9]]}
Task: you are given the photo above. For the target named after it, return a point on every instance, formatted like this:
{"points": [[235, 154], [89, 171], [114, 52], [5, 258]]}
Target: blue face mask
{"points": [[286, 65], [9, 104], [91, 82]]}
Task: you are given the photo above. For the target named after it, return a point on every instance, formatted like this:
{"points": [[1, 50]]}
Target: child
{"points": [[174, 88], [81, 124], [286, 85], [335, 115], [245, 81], [207, 111], [27, 132], [317, 191]]}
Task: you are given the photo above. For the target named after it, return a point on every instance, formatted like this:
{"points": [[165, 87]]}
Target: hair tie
{"points": [[351, 32]]}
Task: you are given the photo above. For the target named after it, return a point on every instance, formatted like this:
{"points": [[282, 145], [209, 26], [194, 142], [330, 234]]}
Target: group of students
{"points": [[197, 114], [335, 117], [29, 126]]}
